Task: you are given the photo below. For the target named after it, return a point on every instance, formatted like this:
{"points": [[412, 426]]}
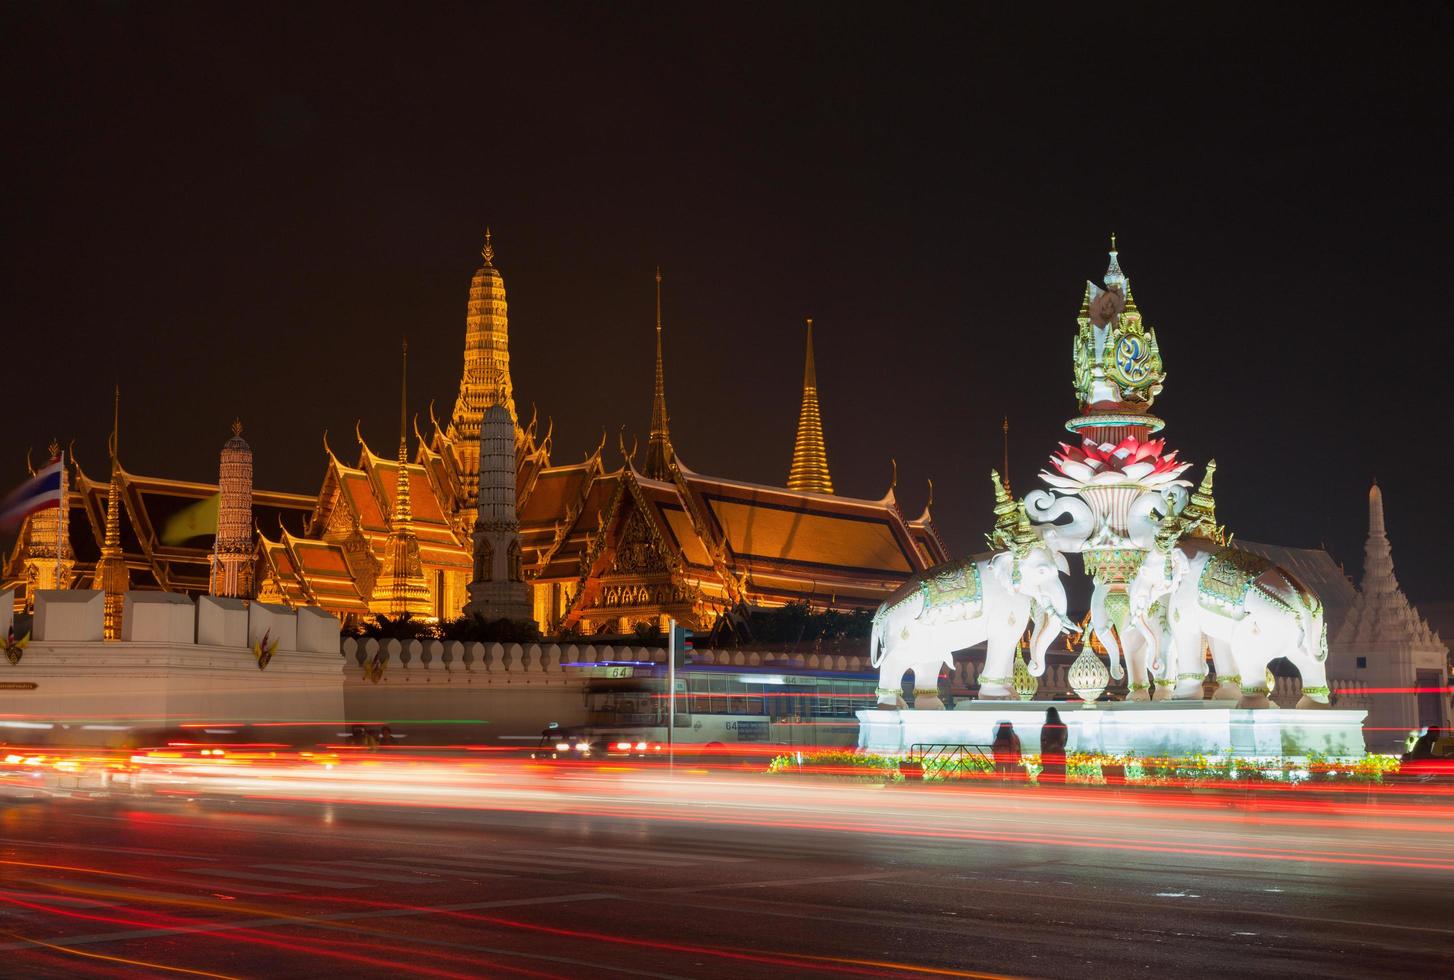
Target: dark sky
{"points": [[240, 209]]}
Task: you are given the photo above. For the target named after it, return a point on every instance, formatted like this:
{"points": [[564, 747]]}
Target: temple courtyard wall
{"points": [[181, 666]]}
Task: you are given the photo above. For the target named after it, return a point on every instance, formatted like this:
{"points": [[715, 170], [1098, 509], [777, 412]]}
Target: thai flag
{"points": [[36, 494]]}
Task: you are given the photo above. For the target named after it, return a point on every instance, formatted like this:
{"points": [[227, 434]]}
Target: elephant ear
{"points": [[1180, 565], [1002, 566], [1061, 563]]}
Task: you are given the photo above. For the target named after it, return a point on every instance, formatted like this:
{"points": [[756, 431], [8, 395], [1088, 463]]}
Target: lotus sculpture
{"points": [[1129, 462]]}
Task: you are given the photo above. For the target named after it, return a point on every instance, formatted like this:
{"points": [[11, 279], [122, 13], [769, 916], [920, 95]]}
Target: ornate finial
{"points": [[1199, 517], [236, 427], [809, 470], [1002, 537], [54, 449], [1168, 531], [488, 252], [894, 479], [1005, 428], [1025, 536], [1115, 278], [659, 453], [404, 398]]}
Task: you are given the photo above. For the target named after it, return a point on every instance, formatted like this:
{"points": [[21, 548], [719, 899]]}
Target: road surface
{"points": [[697, 874]]}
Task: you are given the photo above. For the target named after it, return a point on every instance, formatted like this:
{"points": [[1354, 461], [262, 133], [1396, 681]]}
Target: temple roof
{"points": [[785, 544]]}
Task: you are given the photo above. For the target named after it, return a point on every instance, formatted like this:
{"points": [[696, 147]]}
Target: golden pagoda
{"points": [[486, 377], [112, 576], [400, 588], [810, 454], [658, 448]]}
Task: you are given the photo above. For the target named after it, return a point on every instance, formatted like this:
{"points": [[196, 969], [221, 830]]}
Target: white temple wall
{"points": [[123, 693], [70, 687]]}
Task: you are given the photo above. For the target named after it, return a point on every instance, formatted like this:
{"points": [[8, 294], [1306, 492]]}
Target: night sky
{"points": [[238, 214]]}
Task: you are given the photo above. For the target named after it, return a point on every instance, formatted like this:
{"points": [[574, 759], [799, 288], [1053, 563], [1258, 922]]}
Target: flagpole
{"points": [[61, 519]]}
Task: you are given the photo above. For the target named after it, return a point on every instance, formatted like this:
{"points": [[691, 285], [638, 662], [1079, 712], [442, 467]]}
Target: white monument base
{"points": [[1145, 728]]}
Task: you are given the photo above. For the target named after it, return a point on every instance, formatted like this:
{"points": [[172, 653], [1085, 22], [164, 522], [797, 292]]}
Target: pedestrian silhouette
{"points": [[1053, 736], [1006, 750]]}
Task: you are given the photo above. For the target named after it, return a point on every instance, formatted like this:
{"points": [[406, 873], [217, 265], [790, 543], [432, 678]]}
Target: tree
{"points": [[477, 629]]}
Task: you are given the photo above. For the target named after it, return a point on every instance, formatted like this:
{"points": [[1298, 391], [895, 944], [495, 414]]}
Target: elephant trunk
{"points": [[1153, 644], [876, 637], [1041, 639], [1112, 643]]}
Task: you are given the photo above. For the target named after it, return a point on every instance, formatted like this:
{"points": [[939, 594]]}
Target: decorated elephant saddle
{"points": [[1227, 578], [956, 587]]}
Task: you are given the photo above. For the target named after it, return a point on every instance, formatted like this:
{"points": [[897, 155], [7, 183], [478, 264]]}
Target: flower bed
{"points": [[1096, 769]]}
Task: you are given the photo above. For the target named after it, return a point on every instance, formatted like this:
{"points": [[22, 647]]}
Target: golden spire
{"points": [[1002, 537], [485, 379], [401, 502], [111, 575], [1005, 428], [1199, 517], [111, 546], [659, 453], [810, 454], [401, 587]]}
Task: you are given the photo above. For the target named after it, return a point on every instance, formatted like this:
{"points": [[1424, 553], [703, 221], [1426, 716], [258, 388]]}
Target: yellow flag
{"points": [[197, 520]]}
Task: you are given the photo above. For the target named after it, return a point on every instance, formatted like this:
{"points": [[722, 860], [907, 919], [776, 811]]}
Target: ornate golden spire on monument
{"points": [[485, 380], [1199, 517], [659, 454], [401, 587], [112, 576], [1003, 535], [810, 454], [1005, 428]]}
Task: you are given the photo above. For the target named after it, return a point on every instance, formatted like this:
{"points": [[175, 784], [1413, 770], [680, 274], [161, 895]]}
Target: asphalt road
{"points": [[713, 875]]}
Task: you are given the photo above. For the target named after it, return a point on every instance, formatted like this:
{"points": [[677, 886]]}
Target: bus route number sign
{"points": [[749, 731]]}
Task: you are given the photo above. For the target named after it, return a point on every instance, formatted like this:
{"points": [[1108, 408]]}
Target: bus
{"points": [[720, 709]]}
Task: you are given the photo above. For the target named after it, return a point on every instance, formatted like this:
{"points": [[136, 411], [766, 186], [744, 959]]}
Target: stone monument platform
{"points": [[1145, 728]]}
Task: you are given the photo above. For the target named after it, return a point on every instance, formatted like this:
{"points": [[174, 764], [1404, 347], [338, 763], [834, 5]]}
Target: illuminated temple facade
{"points": [[602, 545]]}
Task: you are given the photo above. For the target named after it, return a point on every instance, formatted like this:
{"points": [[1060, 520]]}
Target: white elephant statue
{"points": [[1251, 611], [960, 603], [1152, 640], [1142, 645]]}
